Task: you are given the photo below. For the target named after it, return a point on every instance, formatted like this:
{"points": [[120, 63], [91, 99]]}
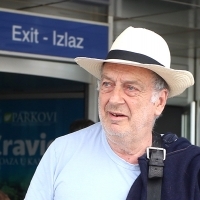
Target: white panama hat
{"points": [[142, 48]]}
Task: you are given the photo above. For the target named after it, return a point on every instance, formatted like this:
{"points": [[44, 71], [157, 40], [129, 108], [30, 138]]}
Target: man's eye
{"points": [[106, 84], [130, 88]]}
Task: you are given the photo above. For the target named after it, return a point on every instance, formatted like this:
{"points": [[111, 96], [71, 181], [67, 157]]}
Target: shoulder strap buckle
{"points": [[149, 149]]}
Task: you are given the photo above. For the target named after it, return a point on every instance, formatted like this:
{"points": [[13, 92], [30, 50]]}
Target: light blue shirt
{"points": [[82, 166]]}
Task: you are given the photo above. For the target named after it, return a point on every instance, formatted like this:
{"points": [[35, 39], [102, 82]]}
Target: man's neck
{"points": [[130, 152]]}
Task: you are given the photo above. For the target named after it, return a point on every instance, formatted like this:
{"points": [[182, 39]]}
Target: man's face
{"points": [[125, 106]]}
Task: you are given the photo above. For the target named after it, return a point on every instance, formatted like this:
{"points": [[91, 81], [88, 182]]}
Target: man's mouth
{"points": [[117, 114]]}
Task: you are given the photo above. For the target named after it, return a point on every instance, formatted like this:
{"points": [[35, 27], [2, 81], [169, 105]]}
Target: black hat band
{"points": [[131, 56]]}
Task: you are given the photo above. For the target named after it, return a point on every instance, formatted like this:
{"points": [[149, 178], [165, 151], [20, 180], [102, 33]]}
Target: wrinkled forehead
{"points": [[126, 69]]}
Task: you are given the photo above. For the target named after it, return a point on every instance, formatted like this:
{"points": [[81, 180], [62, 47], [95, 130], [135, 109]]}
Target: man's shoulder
{"points": [[87, 133], [175, 144], [67, 145], [170, 139]]}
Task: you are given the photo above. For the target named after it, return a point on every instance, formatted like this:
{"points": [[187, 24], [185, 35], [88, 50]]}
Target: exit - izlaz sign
{"points": [[53, 37]]}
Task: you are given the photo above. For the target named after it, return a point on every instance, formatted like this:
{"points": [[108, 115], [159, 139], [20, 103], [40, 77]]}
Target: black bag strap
{"points": [[156, 155], [154, 183]]}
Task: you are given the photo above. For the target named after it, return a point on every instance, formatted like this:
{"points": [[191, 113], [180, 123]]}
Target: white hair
{"points": [[159, 84]]}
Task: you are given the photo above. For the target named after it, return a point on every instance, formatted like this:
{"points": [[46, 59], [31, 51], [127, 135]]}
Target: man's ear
{"points": [[161, 102]]}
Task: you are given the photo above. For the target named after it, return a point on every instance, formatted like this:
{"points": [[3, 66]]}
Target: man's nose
{"points": [[117, 95]]}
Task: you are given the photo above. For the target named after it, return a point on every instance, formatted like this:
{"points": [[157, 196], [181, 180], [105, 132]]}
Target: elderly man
{"points": [[121, 157]]}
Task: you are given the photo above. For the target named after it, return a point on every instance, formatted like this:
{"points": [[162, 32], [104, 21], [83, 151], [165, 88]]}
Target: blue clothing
{"points": [[82, 166], [181, 179]]}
